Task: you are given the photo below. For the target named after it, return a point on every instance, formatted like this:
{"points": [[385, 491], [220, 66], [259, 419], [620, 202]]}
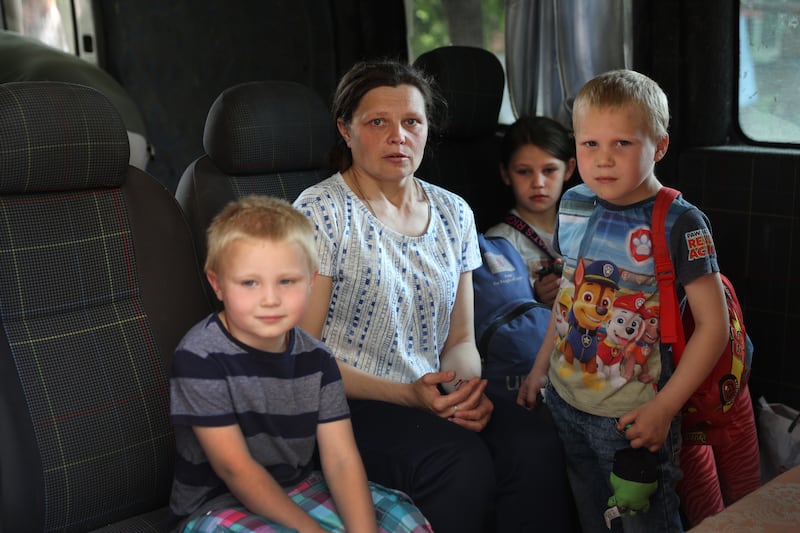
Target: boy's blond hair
{"points": [[619, 88], [260, 218]]}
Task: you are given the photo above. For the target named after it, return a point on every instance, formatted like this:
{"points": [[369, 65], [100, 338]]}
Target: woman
{"points": [[394, 302]]}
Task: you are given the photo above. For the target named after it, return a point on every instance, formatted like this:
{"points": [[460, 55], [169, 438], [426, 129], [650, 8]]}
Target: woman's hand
{"points": [[467, 406], [474, 413]]}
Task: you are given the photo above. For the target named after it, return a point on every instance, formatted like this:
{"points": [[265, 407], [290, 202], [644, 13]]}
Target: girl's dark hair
{"points": [[544, 132], [367, 75]]}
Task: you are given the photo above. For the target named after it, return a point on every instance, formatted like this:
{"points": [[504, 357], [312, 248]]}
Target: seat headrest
{"points": [[471, 80], [59, 136], [266, 127]]}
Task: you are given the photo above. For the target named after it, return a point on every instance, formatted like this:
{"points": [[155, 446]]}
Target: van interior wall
{"points": [[174, 58], [749, 193]]}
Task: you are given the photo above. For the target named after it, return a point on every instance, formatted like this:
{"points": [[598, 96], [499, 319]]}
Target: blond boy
{"points": [[620, 120], [252, 395]]}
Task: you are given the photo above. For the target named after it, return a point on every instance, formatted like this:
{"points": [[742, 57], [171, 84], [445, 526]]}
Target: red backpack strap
{"points": [[670, 315]]}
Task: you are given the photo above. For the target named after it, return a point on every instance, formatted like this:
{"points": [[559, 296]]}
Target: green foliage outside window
{"points": [[436, 23]]}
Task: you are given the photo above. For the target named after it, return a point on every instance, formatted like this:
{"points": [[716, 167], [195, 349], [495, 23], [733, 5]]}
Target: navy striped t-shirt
{"points": [[277, 399]]}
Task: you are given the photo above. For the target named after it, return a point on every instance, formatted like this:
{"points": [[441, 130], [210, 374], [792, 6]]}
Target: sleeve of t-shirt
{"points": [[333, 403], [199, 393], [692, 246]]}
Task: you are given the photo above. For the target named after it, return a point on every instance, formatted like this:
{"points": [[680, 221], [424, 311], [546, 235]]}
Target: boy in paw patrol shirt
{"points": [[602, 398]]}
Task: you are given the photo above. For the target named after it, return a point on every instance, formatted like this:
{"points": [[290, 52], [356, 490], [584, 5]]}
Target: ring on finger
{"points": [[455, 409]]}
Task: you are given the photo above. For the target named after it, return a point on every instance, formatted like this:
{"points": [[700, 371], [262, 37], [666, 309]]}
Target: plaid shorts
{"points": [[394, 511]]}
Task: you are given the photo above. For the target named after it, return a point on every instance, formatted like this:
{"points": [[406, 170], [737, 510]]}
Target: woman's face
{"points": [[388, 132]]}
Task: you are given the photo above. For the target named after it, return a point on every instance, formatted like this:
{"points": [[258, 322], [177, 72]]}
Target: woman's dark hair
{"points": [[544, 132], [367, 75]]}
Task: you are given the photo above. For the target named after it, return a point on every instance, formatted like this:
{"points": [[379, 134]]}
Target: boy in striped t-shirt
{"points": [[252, 395]]}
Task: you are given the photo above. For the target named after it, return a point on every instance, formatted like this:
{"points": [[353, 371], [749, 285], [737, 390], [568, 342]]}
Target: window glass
{"points": [[49, 21], [769, 70], [481, 23]]}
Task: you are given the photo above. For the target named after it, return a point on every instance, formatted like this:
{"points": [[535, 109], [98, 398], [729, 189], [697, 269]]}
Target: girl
{"points": [[537, 157]]}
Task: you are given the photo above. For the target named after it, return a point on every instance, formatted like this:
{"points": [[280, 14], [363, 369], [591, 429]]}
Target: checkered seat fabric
{"points": [[99, 283], [464, 157], [263, 137]]}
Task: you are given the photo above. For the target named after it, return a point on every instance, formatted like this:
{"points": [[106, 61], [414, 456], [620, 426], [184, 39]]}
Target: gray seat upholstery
{"points": [[24, 58], [99, 283], [465, 157], [264, 137]]}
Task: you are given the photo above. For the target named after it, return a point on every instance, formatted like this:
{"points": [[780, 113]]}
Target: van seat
{"points": [[465, 157], [99, 283], [24, 58], [263, 137]]}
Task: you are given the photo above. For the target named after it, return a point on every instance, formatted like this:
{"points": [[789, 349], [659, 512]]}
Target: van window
{"points": [[480, 23], [49, 21], [769, 53]]}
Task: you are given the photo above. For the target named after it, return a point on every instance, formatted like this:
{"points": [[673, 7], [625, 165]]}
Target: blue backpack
{"points": [[509, 323]]}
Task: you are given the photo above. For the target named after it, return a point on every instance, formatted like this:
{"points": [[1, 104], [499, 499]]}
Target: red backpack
{"points": [[708, 409]]}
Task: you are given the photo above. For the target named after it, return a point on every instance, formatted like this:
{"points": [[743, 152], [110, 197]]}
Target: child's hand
{"points": [[546, 288], [646, 426], [530, 388]]}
